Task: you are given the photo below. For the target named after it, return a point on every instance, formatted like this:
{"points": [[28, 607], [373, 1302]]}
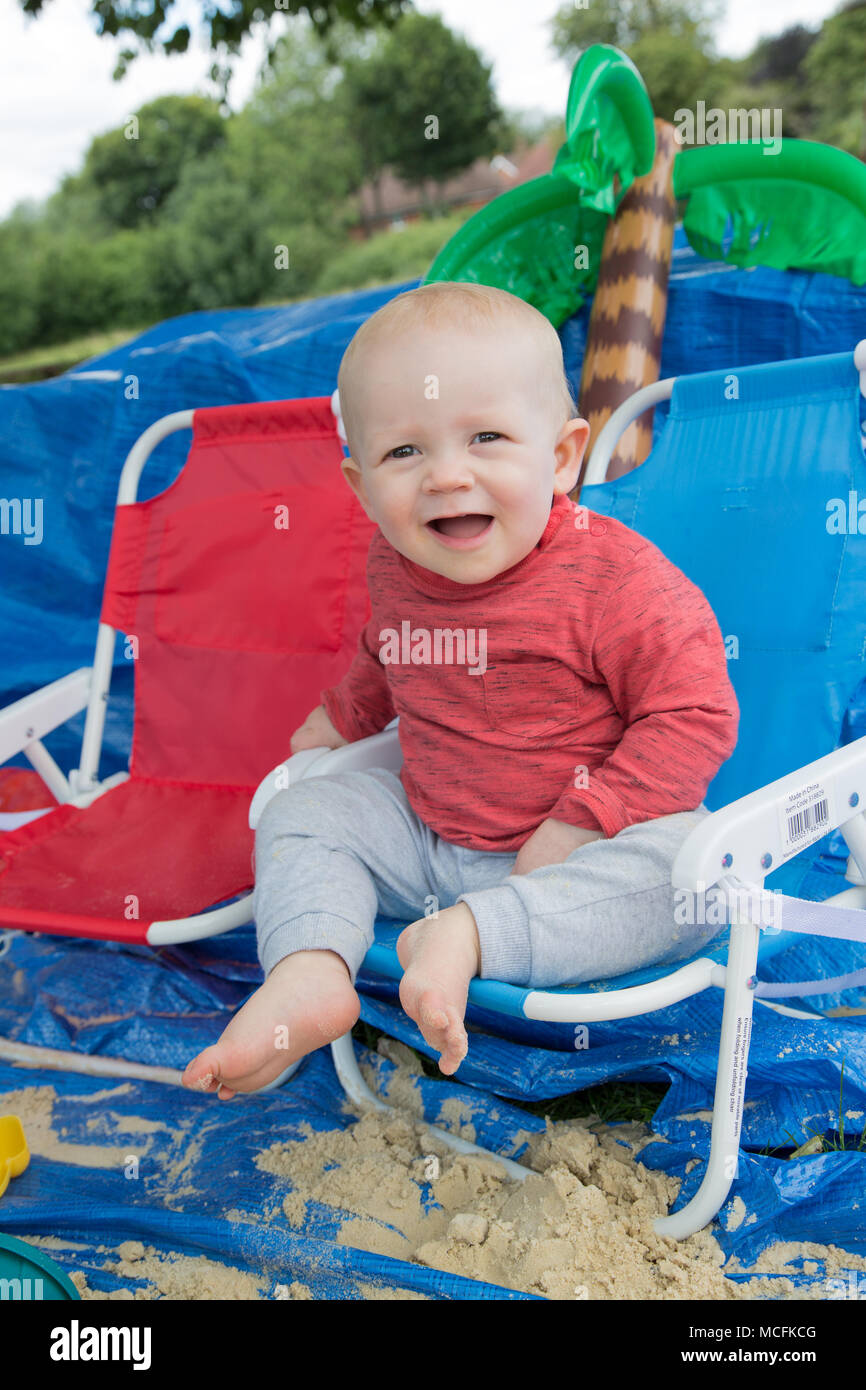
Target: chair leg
{"points": [[280, 1080], [353, 1083], [730, 1088]]}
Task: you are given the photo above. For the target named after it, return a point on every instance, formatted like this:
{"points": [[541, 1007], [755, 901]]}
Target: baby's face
{"points": [[458, 454]]}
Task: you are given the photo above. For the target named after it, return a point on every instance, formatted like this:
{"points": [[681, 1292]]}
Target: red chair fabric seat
{"points": [[144, 851], [241, 591]]}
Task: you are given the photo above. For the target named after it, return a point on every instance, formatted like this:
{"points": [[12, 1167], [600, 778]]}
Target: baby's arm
{"points": [[317, 731], [660, 651], [551, 843], [360, 704]]}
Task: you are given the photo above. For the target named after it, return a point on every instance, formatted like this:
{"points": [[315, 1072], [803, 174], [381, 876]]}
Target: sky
{"points": [[57, 93]]}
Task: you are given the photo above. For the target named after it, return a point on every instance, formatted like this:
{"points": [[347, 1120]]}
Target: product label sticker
{"points": [[805, 815]]}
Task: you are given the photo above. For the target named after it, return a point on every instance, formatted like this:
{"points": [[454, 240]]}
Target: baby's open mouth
{"points": [[461, 527]]}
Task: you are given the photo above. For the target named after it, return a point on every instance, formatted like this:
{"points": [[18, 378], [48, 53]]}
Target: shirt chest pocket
{"points": [[530, 698]]}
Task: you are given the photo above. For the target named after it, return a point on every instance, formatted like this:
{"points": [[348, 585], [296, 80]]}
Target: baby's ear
{"points": [[355, 478], [579, 429], [569, 450]]}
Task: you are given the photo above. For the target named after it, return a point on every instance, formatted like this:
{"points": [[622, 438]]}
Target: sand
{"points": [[579, 1227], [167, 1275]]}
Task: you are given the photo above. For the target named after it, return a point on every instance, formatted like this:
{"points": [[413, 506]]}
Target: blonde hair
{"points": [[441, 304]]}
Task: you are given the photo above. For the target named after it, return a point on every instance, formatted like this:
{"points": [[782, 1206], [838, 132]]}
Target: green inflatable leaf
{"points": [[542, 240], [803, 208]]}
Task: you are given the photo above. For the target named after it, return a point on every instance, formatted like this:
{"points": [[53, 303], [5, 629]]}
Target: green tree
{"points": [[287, 172], [835, 68], [773, 76], [780, 59], [147, 22], [129, 172], [294, 144], [19, 278], [229, 248], [624, 22], [215, 238], [423, 102], [669, 41]]}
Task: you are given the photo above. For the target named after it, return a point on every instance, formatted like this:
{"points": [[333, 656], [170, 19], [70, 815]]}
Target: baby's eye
{"points": [[398, 452], [488, 434]]}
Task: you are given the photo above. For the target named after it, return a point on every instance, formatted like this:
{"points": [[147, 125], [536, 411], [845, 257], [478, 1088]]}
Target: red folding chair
{"points": [[241, 591]]}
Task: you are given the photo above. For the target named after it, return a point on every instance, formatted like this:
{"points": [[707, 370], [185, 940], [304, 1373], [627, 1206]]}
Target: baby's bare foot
{"points": [[439, 956], [307, 1001]]}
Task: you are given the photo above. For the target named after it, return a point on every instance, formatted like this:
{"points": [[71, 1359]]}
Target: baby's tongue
{"points": [[463, 526]]}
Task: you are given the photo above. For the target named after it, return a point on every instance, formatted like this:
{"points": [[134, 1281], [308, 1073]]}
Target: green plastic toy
{"points": [[803, 208], [27, 1275], [528, 239]]}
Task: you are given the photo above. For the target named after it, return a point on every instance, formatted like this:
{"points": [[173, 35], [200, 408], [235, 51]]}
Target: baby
{"points": [[563, 698]]}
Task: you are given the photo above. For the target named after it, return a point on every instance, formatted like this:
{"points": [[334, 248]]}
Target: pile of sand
{"points": [[579, 1227]]}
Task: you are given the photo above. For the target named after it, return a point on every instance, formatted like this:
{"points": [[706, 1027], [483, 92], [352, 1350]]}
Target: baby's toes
{"points": [[442, 1028], [202, 1073], [454, 1043], [228, 1069]]}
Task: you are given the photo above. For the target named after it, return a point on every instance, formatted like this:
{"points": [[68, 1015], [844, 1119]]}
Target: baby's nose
{"points": [[448, 471]]}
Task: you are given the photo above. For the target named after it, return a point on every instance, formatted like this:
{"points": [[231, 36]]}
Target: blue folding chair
{"points": [[756, 490]]}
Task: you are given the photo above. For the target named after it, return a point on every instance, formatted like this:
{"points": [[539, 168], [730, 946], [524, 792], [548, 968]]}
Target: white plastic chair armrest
{"points": [[379, 750], [747, 839], [283, 775], [36, 714], [622, 417]]}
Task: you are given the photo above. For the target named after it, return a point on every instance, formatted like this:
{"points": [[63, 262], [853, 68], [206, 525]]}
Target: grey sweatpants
{"points": [[332, 852]]}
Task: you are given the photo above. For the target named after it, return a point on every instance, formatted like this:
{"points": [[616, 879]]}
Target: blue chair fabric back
{"points": [[754, 490]]}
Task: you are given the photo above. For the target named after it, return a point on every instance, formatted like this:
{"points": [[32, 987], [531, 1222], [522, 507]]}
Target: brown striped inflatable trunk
{"points": [[624, 343]]}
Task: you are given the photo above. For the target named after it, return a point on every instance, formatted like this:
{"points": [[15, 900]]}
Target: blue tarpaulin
{"points": [[65, 441]]}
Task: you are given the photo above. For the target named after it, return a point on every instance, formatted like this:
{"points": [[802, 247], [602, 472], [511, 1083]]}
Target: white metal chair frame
{"points": [[741, 839]]}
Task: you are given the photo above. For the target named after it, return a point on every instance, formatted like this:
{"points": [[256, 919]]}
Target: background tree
{"points": [[18, 278], [624, 22], [835, 69], [670, 42], [419, 75], [773, 75], [224, 27], [295, 144], [129, 172]]}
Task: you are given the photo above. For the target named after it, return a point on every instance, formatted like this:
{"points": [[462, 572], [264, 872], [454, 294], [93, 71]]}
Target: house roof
{"points": [[484, 180]]}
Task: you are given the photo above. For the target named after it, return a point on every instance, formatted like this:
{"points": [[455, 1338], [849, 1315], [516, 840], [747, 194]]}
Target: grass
{"points": [[828, 1144], [611, 1102], [615, 1101], [38, 363]]}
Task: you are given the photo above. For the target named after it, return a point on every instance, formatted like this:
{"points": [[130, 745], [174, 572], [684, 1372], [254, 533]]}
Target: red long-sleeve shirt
{"points": [[605, 700]]}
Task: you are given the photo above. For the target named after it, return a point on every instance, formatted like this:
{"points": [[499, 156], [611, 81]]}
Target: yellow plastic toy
{"points": [[14, 1153]]}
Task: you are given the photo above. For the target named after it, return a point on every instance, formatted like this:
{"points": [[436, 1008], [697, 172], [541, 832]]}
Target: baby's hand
{"points": [[551, 843], [317, 731]]}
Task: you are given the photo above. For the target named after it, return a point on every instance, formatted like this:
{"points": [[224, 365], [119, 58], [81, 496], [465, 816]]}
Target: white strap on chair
{"points": [[812, 919]]}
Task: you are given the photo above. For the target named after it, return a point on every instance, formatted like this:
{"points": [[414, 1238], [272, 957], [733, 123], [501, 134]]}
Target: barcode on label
{"points": [[805, 821], [806, 814]]}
